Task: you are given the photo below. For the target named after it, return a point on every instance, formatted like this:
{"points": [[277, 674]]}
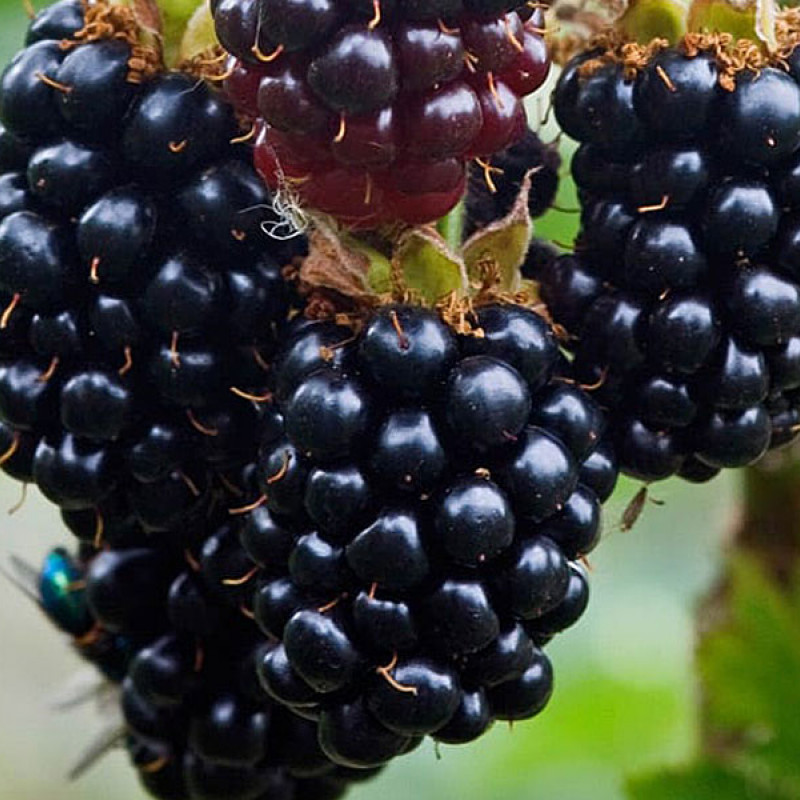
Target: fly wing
{"points": [[107, 740], [24, 576]]}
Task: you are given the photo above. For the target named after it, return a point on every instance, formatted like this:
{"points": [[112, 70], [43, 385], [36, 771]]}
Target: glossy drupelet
{"points": [[683, 295], [140, 297], [370, 111], [196, 725], [423, 504]]}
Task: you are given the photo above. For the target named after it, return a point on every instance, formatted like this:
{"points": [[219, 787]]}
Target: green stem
{"points": [[451, 227], [767, 532], [770, 524]]}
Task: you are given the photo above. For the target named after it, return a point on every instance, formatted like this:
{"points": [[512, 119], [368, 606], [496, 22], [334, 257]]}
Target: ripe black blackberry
{"points": [[170, 634], [371, 110], [424, 499], [683, 292], [140, 297]]}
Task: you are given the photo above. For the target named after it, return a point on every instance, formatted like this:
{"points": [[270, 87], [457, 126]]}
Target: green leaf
{"points": [[698, 782], [748, 661], [428, 265], [504, 243], [750, 671], [645, 20]]}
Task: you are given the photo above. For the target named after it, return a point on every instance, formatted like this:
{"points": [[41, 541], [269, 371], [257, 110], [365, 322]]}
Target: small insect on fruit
{"points": [[634, 509]]}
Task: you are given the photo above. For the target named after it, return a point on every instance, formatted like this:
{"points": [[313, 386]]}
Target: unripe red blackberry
{"points": [[371, 111]]}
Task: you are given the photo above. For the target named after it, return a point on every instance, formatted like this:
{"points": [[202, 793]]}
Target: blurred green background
{"points": [[624, 697]]}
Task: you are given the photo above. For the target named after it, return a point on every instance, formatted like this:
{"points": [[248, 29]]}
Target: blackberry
{"points": [[681, 296], [380, 104], [140, 303], [422, 504], [140, 297], [195, 723]]}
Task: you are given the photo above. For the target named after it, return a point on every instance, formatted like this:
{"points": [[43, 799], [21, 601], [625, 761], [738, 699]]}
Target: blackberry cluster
{"points": [[173, 638], [683, 294], [370, 110], [140, 298], [424, 498]]}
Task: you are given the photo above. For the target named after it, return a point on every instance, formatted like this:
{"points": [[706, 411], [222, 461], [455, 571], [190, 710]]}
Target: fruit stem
{"points": [[451, 227]]}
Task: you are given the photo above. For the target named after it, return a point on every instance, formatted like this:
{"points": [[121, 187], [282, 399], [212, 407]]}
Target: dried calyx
{"points": [[732, 53], [346, 278]]}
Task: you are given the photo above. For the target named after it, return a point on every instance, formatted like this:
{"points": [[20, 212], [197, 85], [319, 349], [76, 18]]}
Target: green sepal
{"points": [[719, 16], [379, 272], [176, 15], [149, 22], [428, 265], [451, 226], [199, 35], [766, 18], [421, 263], [645, 20], [165, 26], [148, 16], [504, 242]]}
